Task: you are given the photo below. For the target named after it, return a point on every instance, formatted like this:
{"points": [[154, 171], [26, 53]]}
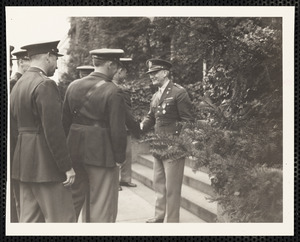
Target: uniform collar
{"points": [[101, 75], [118, 85], [36, 69]]}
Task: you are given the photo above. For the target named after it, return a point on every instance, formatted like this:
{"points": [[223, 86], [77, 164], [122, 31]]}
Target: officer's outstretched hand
{"points": [[70, 174]]}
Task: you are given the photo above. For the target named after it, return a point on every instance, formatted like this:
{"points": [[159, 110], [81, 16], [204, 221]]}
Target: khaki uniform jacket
{"points": [[174, 106], [38, 144], [97, 134]]}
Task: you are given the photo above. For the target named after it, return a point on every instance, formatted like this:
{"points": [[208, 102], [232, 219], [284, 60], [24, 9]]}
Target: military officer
{"points": [[169, 105], [85, 70], [94, 120], [11, 49], [14, 191], [133, 126], [41, 161], [23, 63], [80, 186]]}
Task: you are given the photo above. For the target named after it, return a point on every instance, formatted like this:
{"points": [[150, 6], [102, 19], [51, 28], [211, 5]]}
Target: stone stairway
{"points": [[195, 188]]}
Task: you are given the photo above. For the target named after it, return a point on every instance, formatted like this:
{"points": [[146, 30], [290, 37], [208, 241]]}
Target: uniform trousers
{"points": [[80, 191], [125, 168], [167, 182], [14, 201], [104, 193], [46, 202]]}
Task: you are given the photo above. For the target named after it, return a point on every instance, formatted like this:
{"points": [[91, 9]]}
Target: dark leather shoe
{"points": [[127, 184], [155, 220], [120, 188]]}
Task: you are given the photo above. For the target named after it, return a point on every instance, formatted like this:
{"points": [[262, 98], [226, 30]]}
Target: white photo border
{"points": [[181, 229]]}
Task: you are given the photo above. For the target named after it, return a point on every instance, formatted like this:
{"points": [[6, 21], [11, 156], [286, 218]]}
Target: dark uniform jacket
{"points": [[14, 80], [132, 124], [96, 129], [173, 107], [40, 150]]}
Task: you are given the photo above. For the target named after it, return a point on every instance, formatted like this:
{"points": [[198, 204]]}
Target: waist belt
{"points": [[94, 123], [29, 130]]}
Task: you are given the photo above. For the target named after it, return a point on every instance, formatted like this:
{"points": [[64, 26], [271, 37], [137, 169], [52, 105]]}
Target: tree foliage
{"points": [[243, 75]]}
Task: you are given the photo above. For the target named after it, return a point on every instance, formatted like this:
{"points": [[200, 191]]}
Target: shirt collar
{"points": [[164, 86]]}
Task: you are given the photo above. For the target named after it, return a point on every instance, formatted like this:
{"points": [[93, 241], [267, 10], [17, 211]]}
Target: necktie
{"points": [[157, 97]]}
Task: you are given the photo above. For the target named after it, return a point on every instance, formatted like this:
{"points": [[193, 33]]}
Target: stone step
{"points": [[198, 180], [148, 159], [192, 200]]}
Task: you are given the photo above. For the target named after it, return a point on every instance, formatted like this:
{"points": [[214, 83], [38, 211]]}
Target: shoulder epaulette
{"points": [[43, 75], [177, 85]]}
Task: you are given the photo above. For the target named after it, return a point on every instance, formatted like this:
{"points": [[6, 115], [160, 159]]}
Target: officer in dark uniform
{"points": [[23, 65], [11, 48], [169, 105], [80, 185], [41, 161], [94, 120], [14, 191], [85, 70], [133, 126]]}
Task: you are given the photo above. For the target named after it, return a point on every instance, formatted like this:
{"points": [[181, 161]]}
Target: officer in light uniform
{"points": [[94, 120], [133, 126], [23, 65], [41, 161], [85, 70], [169, 105]]}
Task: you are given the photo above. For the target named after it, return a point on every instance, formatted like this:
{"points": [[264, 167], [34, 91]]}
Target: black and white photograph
{"points": [[150, 120]]}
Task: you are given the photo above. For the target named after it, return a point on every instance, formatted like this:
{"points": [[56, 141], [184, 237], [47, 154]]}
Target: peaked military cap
{"points": [[41, 48], [20, 54], [157, 65], [11, 48], [125, 62], [107, 54], [85, 68]]}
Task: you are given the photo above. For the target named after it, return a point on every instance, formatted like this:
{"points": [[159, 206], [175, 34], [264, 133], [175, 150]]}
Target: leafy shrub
{"points": [[244, 166]]}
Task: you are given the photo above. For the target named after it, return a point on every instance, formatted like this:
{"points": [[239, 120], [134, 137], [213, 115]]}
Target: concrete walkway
{"points": [[136, 205]]}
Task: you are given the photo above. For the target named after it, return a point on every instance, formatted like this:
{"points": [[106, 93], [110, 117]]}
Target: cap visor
{"points": [[153, 71]]}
